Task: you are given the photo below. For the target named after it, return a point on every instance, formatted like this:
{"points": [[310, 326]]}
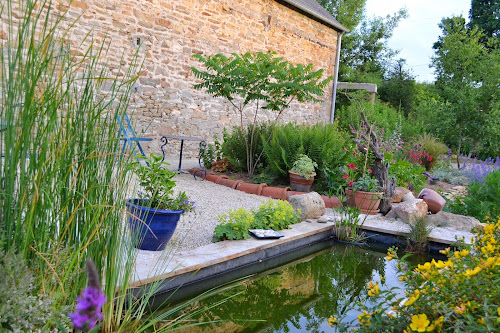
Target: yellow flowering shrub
{"points": [[461, 294]]}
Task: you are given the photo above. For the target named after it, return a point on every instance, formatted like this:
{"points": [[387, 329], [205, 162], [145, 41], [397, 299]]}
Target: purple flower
{"points": [[89, 304]]}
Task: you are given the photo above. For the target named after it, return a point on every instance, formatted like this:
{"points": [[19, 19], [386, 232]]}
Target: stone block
{"points": [[408, 197], [311, 205], [410, 211], [399, 193], [454, 221]]}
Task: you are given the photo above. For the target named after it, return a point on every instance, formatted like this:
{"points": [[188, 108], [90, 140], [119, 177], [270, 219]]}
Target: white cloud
{"points": [[415, 35]]}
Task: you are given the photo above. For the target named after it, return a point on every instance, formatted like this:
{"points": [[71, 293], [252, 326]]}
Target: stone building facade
{"points": [[166, 33]]}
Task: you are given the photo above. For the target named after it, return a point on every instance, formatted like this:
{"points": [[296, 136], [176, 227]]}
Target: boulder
{"points": [[391, 214], [434, 200], [408, 197], [410, 211], [399, 193], [311, 205], [453, 221]]}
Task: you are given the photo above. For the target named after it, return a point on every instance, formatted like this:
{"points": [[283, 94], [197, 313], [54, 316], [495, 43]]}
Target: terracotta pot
{"points": [[332, 202], [195, 170], [349, 197], [225, 181], [367, 201], [299, 183], [435, 202], [290, 193], [251, 188], [275, 192], [213, 177]]}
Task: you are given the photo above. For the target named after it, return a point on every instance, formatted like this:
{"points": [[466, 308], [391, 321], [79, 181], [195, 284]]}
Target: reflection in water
{"points": [[299, 296]]}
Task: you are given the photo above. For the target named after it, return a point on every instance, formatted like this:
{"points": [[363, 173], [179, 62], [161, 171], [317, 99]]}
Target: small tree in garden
{"points": [[368, 141], [255, 81]]}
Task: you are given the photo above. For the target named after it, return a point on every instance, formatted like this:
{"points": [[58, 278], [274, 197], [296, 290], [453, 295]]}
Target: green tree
{"points": [[486, 15], [466, 73], [399, 88], [258, 81], [348, 12]]}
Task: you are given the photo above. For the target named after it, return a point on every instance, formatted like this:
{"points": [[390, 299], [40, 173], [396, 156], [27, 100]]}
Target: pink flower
{"points": [[345, 149], [370, 170], [350, 183], [354, 153], [346, 176], [351, 166]]}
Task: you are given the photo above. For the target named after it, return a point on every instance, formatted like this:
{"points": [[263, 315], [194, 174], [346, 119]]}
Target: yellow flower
{"points": [[489, 228], [460, 309], [389, 257], [370, 285], [445, 251], [489, 248], [472, 272], [411, 300], [425, 267], [374, 291], [382, 279], [440, 264], [419, 322], [439, 321], [332, 321], [462, 253], [498, 310], [481, 320]]}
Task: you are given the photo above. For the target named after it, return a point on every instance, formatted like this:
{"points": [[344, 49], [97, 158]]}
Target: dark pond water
{"points": [[300, 296]]}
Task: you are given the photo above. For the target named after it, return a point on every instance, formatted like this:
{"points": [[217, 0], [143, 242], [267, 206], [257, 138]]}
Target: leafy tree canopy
{"points": [[486, 15]]}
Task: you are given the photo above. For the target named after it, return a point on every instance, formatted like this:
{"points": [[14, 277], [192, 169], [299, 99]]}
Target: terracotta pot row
{"points": [[261, 189]]}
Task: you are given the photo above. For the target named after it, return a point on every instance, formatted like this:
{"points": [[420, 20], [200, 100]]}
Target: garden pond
{"points": [[300, 292]]}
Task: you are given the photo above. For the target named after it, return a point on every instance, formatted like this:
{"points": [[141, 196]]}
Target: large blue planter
{"points": [[151, 228]]}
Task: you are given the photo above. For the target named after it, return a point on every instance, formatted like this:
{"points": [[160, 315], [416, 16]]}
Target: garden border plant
{"points": [[268, 82]]}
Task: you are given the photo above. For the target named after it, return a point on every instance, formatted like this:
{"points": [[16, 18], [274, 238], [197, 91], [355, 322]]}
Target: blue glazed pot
{"points": [[151, 228]]}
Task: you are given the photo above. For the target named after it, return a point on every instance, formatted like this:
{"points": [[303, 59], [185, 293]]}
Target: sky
{"points": [[416, 34]]}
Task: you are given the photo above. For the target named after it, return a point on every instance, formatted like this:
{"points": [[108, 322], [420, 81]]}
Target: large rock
{"points": [[452, 221], [434, 200], [399, 193], [410, 211], [408, 197], [311, 205]]}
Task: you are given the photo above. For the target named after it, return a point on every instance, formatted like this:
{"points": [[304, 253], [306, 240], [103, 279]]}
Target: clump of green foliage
{"points": [[407, 174], [483, 199], [258, 81], [304, 166], [212, 153], [426, 305], [416, 240], [451, 175], [22, 309], [431, 145], [271, 214]]}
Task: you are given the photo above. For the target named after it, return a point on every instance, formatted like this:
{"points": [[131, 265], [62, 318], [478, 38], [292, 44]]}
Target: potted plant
{"points": [[367, 194], [302, 173], [154, 215]]}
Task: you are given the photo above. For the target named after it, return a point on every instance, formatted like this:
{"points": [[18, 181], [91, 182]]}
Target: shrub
{"points": [[213, 153], [431, 145], [408, 175], [234, 147], [276, 215], [461, 294], [451, 175], [271, 214], [234, 224], [21, 310], [418, 155], [483, 199], [323, 143]]}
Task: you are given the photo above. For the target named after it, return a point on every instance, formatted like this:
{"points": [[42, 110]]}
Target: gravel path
{"points": [[197, 228]]}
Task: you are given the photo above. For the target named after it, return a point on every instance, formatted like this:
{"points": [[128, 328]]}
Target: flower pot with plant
{"points": [[154, 215], [302, 174], [367, 194]]}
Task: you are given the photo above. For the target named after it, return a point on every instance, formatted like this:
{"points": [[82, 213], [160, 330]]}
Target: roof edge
{"points": [[332, 23]]}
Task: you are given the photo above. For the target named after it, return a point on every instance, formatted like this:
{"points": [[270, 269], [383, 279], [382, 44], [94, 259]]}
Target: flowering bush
{"points": [[418, 155], [461, 294], [355, 168]]}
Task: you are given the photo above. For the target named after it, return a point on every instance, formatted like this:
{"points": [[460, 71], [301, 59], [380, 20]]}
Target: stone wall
{"points": [[167, 33]]}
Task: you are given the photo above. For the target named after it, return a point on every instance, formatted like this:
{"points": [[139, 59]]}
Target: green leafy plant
{"points": [[483, 199], [426, 305], [366, 183], [417, 237], [259, 81], [276, 215], [158, 184], [234, 225], [212, 153], [304, 166], [347, 226], [271, 214], [408, 175]]}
